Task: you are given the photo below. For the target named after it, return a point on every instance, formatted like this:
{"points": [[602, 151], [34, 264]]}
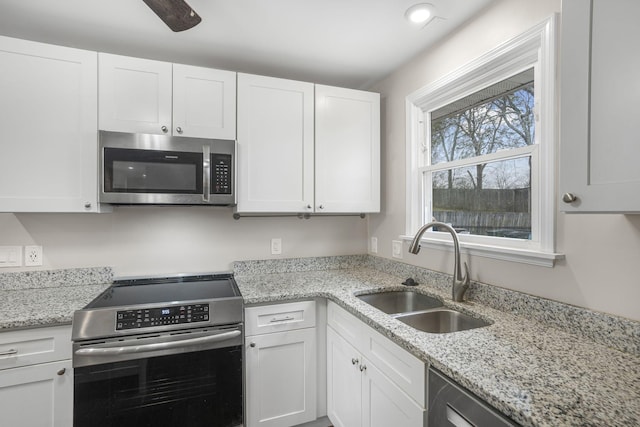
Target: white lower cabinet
{"points": [[280, 364], [361, 393], [38, 394]]}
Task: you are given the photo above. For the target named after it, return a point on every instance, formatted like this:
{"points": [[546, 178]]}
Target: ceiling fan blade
{"points": [[177, 14]]}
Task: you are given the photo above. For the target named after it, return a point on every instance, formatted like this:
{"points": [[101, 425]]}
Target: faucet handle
{"points": [[465, 278]]}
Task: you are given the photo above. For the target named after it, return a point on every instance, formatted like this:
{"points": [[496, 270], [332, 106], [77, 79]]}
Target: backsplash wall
{"points": [[138, 240]]}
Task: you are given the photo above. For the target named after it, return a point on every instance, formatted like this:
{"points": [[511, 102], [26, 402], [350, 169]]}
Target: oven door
{"points": [[191, 378]]}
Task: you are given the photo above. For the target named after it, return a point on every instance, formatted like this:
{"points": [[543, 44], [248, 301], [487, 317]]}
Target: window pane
{"points": [[496, 118], [489, 199]]}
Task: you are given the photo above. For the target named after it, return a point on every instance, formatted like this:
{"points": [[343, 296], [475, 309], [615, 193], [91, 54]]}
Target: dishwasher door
{"points": [[451, 405]]}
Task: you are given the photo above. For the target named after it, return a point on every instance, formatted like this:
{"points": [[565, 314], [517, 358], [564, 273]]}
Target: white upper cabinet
{"points": [[286, 164], [600, 146], [48, 149], [347, 150], [145, 96], [204, 102], [275, 145]]}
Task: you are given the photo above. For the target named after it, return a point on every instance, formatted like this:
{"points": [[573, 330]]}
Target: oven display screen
{"points": [[162, 316]]}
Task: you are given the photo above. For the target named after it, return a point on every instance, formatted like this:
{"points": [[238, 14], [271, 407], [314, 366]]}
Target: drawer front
{"points": [[280, 317], [402, 367], [32, 346], [346, 324]]}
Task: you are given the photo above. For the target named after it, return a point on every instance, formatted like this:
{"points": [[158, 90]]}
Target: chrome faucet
{"points": [[460, 283]]}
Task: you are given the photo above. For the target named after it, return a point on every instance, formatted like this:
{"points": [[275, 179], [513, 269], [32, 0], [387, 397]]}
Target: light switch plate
{"points": [[10, 256], [276, 246], [396, 249], [374, 245]]}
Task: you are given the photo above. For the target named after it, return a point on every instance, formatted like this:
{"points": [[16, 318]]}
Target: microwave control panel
{"points": [[221, 174], [160, 316]]}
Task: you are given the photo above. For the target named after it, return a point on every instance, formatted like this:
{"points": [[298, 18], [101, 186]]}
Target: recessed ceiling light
{"points": [[419, 13]]}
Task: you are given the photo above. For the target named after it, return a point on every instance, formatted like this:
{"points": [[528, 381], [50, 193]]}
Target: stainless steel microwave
{"points": [[166, 170]]}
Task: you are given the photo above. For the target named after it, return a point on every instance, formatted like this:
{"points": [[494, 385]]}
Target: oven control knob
{"points": [[252, 344]]}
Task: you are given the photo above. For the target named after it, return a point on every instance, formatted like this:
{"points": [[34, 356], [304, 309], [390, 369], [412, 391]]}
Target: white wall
{"points": [[602, 251], [138, 240]]}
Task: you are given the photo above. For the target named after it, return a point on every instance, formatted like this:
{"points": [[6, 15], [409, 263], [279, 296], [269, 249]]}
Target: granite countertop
{"points": [[48, 298], [524, 363], [534, 373]]}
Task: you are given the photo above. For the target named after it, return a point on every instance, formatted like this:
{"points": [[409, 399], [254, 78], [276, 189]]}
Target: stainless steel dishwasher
{"points": [[452, 405]]}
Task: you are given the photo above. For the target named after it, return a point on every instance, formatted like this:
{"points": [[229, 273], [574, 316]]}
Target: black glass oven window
{"points": [[195, 389], [147, 171]]}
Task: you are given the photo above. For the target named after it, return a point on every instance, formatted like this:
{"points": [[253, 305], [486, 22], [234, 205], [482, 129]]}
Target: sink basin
{"points": [[395, 302], [442, 321]]}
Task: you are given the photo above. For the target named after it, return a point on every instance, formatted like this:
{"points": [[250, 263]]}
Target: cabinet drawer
{"points": [[31, 346], [280, 317]]}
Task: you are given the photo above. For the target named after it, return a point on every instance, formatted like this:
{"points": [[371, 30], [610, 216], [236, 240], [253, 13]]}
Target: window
{"points": [[481, 145]]}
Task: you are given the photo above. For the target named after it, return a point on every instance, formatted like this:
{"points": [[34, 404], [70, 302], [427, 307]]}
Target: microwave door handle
{"points": [[206, 172], [112, 351]]}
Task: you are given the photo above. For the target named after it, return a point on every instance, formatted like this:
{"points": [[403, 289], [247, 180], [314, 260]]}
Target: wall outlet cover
{"points": [[396, 249], [32, 256]]}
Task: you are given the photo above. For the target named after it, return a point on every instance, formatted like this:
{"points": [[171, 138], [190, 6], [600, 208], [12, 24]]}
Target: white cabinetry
{"points": [[281, 364], [370, 380], [145, 96], [36, 378], [275, 145], [347, 150], [600, 146], [288, 164], [48, 150]]}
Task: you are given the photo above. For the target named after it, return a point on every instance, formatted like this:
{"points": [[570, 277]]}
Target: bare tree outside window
{"points": [[485, 197]]}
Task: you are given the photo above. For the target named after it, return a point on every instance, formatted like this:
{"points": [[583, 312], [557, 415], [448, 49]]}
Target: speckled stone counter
{"points": [[532, 371], [46, 298]]}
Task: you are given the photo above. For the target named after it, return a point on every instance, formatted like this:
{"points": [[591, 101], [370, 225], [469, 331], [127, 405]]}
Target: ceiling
{"points": [[350, 43]]}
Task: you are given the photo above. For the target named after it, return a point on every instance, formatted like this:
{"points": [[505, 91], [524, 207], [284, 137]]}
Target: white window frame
{"points": [[536, 49]]}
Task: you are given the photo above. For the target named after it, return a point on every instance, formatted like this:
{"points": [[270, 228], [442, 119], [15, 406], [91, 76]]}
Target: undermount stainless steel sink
{"points": [[442, 321], [395, 302], [422, 312]]}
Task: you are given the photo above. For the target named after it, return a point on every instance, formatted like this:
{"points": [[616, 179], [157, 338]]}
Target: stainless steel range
{"points": [[160, 352]]}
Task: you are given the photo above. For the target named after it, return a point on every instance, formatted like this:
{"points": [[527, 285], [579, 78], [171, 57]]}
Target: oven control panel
{"points": [[161, 316]]}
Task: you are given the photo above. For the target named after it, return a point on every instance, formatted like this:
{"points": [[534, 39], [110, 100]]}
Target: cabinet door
{"points": [[275, 145], [344, 382], [37, 395], [134, 94], [347, 150], [49, 147], [600, 146], [281, 378], [204, 102], [385, 404]]}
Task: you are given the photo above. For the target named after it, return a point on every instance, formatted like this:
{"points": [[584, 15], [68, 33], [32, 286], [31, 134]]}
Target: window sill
{"points": [[525, 256]]}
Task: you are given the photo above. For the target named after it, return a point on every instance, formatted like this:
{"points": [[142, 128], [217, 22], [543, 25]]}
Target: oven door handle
{"points": [[111, 351]]}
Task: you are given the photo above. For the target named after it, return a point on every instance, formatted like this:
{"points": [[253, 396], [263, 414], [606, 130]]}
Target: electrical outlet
{"points": [[32, 256], [374, 245], [276, 246], [396, 249]]}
